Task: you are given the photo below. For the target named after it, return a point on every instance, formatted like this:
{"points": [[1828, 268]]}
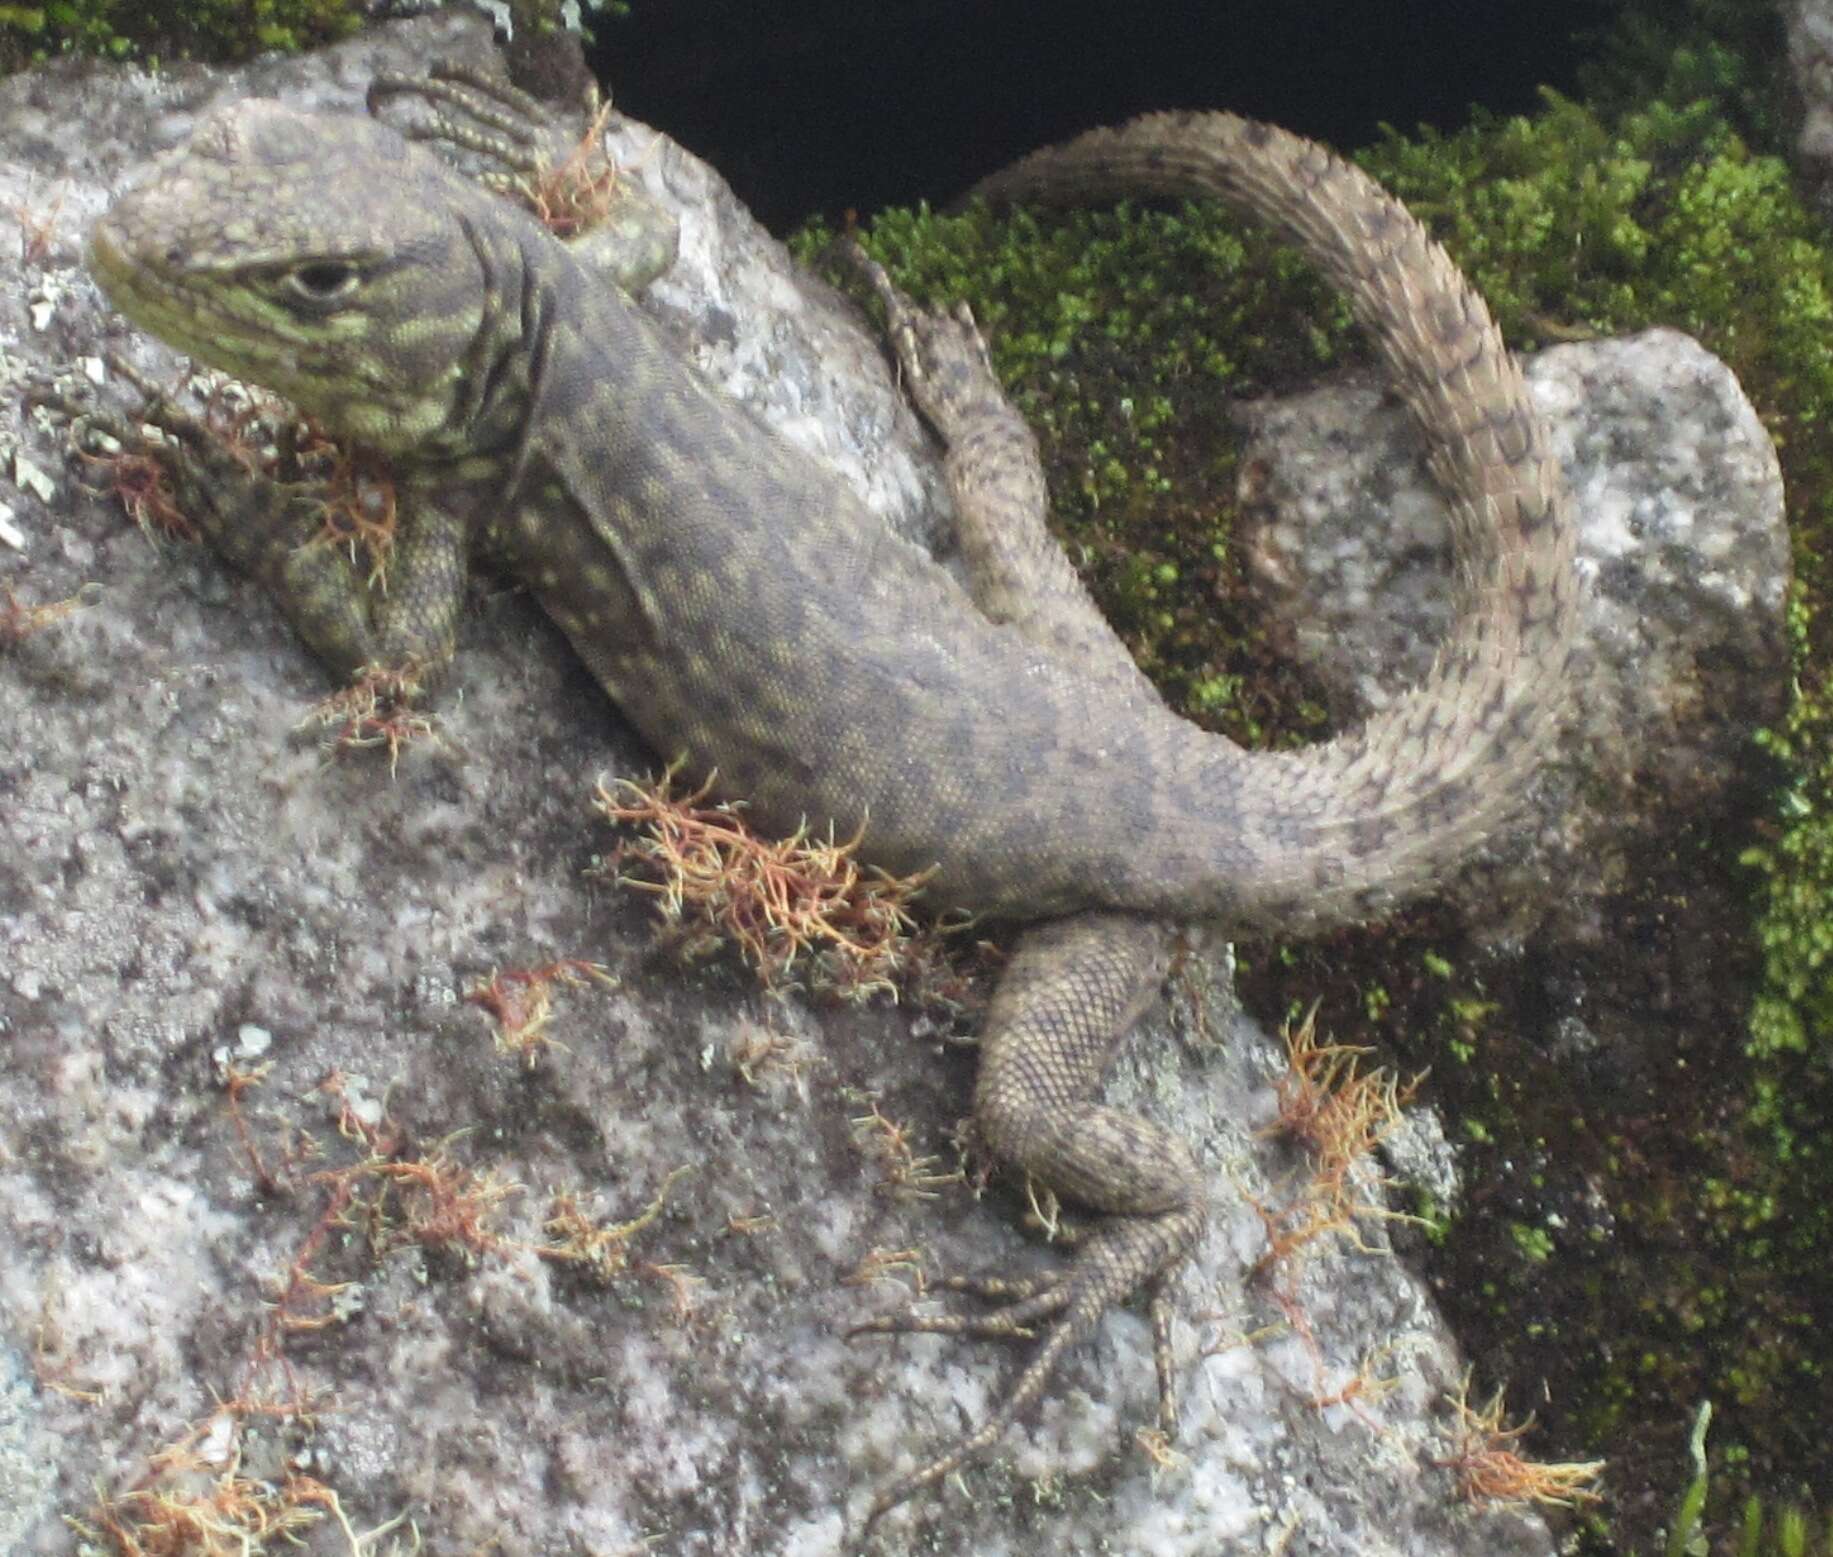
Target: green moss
{"points": [[1571, 225], [1761, 1531], [219, 31], [1794, 1010], [1534, 1243], [1731, 53], [226, 32]]}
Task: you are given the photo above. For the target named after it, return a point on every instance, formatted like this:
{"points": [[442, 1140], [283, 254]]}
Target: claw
{"points": [[1120, 1256], [1078, 1315], [573, 187], [943, 356], [475, 112], [1020, 1303]]}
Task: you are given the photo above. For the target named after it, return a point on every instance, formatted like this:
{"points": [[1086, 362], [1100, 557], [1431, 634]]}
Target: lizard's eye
{"points": [[323, 281]]}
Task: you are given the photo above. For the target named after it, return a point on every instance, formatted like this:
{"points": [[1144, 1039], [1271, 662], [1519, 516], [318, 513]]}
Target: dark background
{"points": [[820, 106]]}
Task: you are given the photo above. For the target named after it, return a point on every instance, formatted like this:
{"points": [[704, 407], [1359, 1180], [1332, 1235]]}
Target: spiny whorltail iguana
{"points": [[748, 613]]}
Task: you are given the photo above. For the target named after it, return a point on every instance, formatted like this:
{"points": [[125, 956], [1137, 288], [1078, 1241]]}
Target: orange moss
{"points": [[520, 1002], [1490, 1472], [787, 904]]}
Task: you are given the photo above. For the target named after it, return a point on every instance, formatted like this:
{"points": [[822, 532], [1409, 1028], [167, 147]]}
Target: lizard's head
{"points": [[322, 257]]}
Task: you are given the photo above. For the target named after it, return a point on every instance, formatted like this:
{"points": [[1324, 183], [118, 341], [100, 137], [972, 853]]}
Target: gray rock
{"points": [[28, 1458], [1809, 26], [1684, 545], [187, 887]]}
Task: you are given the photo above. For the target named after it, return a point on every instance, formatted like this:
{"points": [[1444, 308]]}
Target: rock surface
{"points": [[1809, 26], [1684, 544]]}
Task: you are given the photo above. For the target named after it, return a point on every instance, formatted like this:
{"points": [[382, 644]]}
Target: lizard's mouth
{"points": [[127, 283], [106, 260], [187, 318]]}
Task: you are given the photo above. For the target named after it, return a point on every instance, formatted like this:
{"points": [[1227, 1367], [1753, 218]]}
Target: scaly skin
{"points": [[750, 615]]}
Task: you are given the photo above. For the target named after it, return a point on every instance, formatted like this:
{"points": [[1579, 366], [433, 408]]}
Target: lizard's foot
{"points": [[570, 183], [248, 475], [947, 370], [475, 111], [1058, 1310], [1070, 989], [175, 472], [380, 708], [256, 485], [1017, 573]]}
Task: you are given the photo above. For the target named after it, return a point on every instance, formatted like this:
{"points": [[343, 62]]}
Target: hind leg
{"points": [[1074, 987]]}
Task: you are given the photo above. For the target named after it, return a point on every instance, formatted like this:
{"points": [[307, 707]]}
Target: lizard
{"points": [[752, 618]]}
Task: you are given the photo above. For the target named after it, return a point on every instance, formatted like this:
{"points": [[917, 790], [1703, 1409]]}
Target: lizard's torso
{"points": [[745, 611]]}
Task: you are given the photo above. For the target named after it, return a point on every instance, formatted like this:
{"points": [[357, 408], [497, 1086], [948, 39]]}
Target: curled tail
{"points": [[1338, 832]]}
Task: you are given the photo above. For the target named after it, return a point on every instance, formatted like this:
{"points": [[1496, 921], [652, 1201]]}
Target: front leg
{"points": [[397, 622]]}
